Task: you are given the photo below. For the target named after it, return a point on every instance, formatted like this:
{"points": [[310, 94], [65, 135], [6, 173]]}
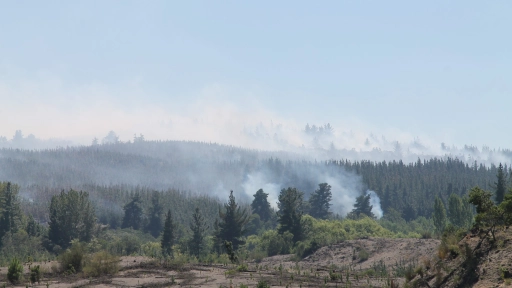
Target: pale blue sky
{"points": [[439, 69]]}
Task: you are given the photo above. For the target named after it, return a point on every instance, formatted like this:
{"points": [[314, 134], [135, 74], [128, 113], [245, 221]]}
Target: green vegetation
{"points": [[72, 216], [90, 227], [101, 263], [168, 235], [15, 271], [233, 220]]}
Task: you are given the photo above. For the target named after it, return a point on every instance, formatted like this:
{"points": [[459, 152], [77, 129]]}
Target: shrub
{"points": [[262, 284], [72, 259], [448, 247], [35, 274], [102, 263], [15, 271], [426, 234], [419, 271], [363, 255], [258, 255], [242, 268], [335, 276], [276, 243], [304, 249]]}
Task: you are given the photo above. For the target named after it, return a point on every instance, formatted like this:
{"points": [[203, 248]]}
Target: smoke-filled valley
{"points": [[126, 181], [213, 170], [256, 144]]}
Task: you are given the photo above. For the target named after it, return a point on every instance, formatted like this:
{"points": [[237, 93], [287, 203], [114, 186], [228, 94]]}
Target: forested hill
{"points": [[211, 169], [411, 188]]}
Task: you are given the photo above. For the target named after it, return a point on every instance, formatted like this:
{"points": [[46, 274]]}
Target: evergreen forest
{"points": [[200, 202]]}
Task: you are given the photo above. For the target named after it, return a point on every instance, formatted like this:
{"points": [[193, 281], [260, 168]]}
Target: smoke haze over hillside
{"points": [[66, 117]]}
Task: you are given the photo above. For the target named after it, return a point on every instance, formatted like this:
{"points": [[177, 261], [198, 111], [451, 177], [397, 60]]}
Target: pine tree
{"points": [[362, 207], [439, 215], [290, 213], [198, 227], [489, 215], [72, 216], [320, 200], [154, 226], [10, 216], [455, 211], [261, 206], [133, 213], [168, 235], [232, 223], [500, 185]]}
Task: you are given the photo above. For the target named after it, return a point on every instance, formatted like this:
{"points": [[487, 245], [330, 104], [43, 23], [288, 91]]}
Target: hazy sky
{"points": [[437, 70]]}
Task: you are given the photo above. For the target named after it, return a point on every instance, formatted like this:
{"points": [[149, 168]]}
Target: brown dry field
{"points": [[278, 271]]}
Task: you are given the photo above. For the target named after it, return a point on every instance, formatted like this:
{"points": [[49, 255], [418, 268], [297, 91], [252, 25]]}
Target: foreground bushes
{"points": [[101, 263], [78, 258], [15, 271]]}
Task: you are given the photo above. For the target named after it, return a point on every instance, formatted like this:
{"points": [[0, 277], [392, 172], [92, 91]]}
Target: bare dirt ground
{"points": [[481, 262], [344, 264]]}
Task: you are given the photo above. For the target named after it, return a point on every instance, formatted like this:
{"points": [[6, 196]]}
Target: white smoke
{"points": [[345, 188], [257, 181], [375, 202]]}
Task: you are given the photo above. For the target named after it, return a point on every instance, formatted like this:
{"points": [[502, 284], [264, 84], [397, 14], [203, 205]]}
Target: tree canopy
{"points": [[320, 201], [290, 213], [261, 206], [362, 207], [233, 220], [72, 216]]}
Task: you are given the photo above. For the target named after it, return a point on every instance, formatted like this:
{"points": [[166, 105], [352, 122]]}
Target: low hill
{"points": [[475, 261]]}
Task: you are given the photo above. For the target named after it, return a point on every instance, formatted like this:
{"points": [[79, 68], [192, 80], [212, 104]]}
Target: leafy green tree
{"points": [[133, 213], [290, 213], [72, 216], [10, 215], [439, 215], [198, 227], [233, 220], [362, 207], [154, 226], [488, 214], [320, 201], [168, 234], [261, 206], [500, 185]]}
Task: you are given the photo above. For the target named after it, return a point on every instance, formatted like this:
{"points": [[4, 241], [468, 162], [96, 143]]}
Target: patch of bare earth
{"points": [[348, 259]]}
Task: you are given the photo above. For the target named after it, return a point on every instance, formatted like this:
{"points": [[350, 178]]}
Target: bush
{"points": [[304, 249], [448, 247], [15, 271], [275, 243], [262, 284], [72, 259], [35, 274], [242, 268], [335, 276], [426, 235], [363, 255], [102, 263]]}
